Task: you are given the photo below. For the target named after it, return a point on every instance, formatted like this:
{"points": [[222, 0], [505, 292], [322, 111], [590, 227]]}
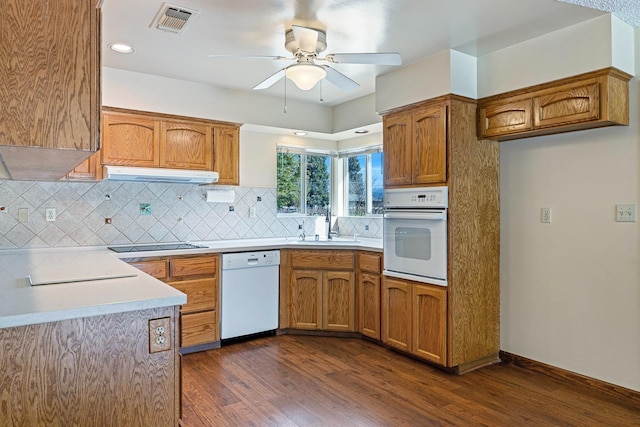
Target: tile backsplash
{"points": [[114, 213]]}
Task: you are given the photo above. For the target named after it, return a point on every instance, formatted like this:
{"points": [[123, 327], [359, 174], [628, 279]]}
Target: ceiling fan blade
{"points": [[307, 38], [340, 80], [250, 57], [270, 80], [382, 58]]}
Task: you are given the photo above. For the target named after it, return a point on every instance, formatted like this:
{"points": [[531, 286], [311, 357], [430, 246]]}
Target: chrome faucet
{"points": [[302, 235]]}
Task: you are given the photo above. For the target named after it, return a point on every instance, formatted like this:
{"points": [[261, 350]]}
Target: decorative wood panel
{"points": [[88, 371], [430, 323], [396, 313], [338, 301], [306, 301], [130, 139], [322, 259], [226, 155], [199, 328], [397, 146], [474, 241], [369, 305], [430, 145], [186, 145]]}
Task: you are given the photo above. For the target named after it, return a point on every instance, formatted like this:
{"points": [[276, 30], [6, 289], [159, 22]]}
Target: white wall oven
{"points": [[415, 234]]}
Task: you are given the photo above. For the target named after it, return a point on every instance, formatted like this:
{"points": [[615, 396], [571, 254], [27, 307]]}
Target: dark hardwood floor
{"points": [[293, 380]]}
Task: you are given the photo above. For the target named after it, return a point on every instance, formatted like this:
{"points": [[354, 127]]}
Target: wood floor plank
{"points": [[294, 380]]}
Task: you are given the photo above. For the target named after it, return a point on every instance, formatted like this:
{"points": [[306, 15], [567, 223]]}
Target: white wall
{"points": [[127, 89], [570, 290]]}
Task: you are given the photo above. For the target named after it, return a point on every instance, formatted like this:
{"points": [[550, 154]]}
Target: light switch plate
{"points": [[23, 214], [626, 213]]}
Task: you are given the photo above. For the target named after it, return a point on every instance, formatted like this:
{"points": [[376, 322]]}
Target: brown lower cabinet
{"points": [[320, 287], [414, 318], [196, 276], [369, 270]]}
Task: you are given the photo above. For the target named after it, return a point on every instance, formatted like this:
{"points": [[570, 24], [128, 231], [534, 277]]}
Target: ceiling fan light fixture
{"points": [[305, 76]]}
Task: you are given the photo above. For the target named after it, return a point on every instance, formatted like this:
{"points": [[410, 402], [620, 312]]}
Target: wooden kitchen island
{"points": [[86, 353]]}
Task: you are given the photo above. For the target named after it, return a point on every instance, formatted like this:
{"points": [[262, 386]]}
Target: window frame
{"points": [[304, 152], [344, 156]]}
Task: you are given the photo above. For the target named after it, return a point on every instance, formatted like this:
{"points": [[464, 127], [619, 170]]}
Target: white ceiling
{"points": [[414, 28]]}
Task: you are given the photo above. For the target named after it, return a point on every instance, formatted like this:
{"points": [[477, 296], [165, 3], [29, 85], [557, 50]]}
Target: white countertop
{"points": [[247, 245], [24, 304]]}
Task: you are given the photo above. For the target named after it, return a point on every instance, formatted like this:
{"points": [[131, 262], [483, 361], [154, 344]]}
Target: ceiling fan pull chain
{"points": [[285, 91]]}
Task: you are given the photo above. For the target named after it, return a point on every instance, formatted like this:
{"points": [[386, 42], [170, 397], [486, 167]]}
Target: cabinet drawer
{"points": [[194, 266], [198, 328], [201, 294], [334, 260], [371, 263], [155, 268]]}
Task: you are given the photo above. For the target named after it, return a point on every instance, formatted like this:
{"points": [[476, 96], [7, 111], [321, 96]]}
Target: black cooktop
{"points": [[160, 247]]}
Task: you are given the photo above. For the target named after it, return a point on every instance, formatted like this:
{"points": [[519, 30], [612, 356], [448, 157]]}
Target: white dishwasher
{"points": [[249, 294]]}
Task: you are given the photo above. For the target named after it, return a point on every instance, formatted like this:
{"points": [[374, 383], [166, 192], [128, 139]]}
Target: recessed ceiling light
{"points": [[121, 48], [362, 131], [299, 133]]}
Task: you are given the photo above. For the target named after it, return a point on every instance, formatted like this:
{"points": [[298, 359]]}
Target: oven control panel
{"points": [[423, 197]]}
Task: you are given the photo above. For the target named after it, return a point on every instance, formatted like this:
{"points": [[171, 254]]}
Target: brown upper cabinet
{"points": [[50, 92], [586, 101], [415, 145], [136, 138]]}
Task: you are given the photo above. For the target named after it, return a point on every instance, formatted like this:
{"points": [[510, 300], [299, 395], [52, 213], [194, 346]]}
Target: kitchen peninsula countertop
{"points": [[24, 304]]}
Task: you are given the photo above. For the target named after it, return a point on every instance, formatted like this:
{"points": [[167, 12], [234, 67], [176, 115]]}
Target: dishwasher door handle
{"points": [[252, 261]]}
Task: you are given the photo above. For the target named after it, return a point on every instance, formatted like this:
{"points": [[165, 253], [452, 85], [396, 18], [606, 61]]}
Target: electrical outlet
{"points": [[545, 215], [50, 214], [626, 213], [23, 214], [159, 335]]}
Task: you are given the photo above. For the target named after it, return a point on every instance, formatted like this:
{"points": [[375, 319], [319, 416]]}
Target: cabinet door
{"points": [[89, 170], [396, 313], [338, 301], [306, 303], [429, 323], [396, 140], [50, 74], [369, 305], [129, 139], [186, 146], [226, 155], [430, 145], [505, 117], [568, 104]]}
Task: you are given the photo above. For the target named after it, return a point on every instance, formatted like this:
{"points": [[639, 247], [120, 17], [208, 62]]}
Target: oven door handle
{"points": [[433, 216]]}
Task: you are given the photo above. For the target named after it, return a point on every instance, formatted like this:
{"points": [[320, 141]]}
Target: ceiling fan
{"points": [[306, 44]]}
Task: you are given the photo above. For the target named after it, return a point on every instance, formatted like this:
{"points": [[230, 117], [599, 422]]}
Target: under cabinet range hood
{"points": [[175, 176]]}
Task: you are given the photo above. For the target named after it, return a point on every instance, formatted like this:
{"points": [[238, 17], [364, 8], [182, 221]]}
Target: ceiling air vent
{"points": [[173, 18]]}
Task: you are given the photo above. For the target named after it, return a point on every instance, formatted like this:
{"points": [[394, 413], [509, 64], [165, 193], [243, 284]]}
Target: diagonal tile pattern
{"points": [[179, 213]]}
